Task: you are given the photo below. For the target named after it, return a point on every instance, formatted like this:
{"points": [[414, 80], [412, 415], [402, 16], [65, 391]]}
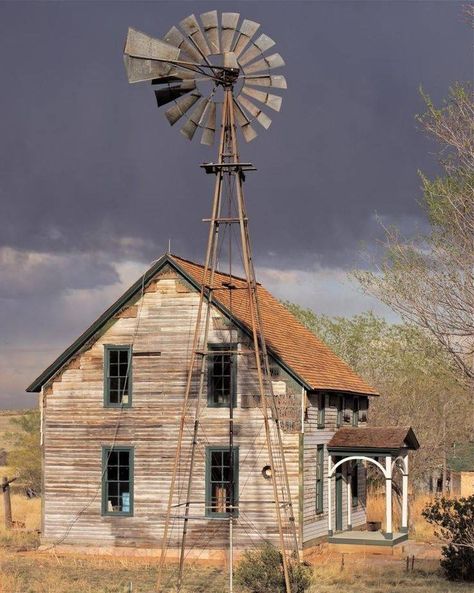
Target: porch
{"points": [[385, 448]]}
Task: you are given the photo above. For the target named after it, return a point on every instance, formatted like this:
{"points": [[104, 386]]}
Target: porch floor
{"points": [[367, 538]]}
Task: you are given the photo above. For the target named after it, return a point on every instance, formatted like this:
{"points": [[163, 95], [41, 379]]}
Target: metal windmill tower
{"points": [[217, 70]]}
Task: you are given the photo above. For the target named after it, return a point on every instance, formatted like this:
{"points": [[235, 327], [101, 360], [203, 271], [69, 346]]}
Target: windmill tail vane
{"points": [[218, 69]]}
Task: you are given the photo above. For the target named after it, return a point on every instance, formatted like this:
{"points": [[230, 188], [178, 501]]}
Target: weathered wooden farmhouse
{"points": [[110, 412]]}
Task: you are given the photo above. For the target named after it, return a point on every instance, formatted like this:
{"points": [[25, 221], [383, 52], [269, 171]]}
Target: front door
{"points": [[339, 481]]}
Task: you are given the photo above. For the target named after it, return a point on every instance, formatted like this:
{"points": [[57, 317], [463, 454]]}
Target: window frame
{"points": [[108, 348], [106, 450], [321, 421], [339, 411], [319, 482], [233, 376], [355, 413], [210, 514]]}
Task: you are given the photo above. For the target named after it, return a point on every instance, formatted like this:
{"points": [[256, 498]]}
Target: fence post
{"points": [[7, 504]]}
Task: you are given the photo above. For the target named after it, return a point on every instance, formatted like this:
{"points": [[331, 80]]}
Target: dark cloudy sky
{"points": [[93, 181]]}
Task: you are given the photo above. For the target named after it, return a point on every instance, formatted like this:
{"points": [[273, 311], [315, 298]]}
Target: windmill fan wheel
{"points": [[190, 63]]}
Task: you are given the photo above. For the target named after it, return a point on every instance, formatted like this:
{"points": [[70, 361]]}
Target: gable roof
{"points": [[373, 437], [308, 359]]}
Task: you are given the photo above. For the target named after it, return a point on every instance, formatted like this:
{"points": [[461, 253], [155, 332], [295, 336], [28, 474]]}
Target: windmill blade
{"points": [[245, 33], [247, 130], [209, 124], [182, 105], [268, 63], [176, 38], [273, 101], [192, 29], [139, 69], [257, 113], [228, 25], [174, 76], [259, 46], [173, 92], [211, 30], [277, 81], [141, 45], [194, 121]]}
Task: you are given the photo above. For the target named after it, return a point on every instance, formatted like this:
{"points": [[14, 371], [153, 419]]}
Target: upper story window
{"points": [[339, 411], [222, 376], [321, 410], [118, 376], [222, 480], [355, 411], [117, 481]]}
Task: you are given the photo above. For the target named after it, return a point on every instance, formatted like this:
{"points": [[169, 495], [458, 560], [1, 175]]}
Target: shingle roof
{"points": [[374, 438], [290, 340], [298, 349]]}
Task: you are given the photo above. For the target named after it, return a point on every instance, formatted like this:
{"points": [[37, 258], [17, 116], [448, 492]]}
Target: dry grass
{"points": [[23, 570], [420, 529]]}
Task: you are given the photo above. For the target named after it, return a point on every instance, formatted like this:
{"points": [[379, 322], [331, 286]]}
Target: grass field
{"points": [[25, 570]]}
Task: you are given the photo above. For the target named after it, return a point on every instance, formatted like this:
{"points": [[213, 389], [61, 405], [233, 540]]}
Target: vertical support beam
{"points": [[404, 527], [7, 504], [330, 528], [388, 497], [349, 496]]}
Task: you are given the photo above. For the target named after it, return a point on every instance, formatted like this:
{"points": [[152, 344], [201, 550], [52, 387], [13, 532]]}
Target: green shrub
{"points": [[25, 456], [261, 571], [454, 519]]}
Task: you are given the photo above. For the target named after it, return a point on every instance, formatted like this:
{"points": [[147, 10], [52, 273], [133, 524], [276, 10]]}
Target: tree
{"points": [[420, 386], [25, 456], [454, 520], [429, 280]]}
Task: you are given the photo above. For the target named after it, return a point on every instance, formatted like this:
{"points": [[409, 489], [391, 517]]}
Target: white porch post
{"points": [[388, 497], [349, 498], [404, 527], [330, 529]]}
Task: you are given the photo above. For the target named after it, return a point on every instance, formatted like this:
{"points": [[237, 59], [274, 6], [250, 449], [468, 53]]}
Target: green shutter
{"points": [[320, 479], [321, 410], [355, 411]]}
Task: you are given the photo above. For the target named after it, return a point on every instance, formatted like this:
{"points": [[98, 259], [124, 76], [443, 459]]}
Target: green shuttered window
{"points": [[117, 376], [222, 480], [117, 481], [222, 376], [320, 479], [321, 410]]}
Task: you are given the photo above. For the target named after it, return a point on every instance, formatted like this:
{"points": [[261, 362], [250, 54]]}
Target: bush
{"points": [[454, 519], [261, 571]]}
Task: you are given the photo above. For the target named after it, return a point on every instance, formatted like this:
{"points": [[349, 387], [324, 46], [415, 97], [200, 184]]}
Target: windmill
{"points": [[217, 69]]}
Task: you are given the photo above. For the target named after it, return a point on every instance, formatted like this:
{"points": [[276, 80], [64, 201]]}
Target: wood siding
{"points": [[76, 426]]}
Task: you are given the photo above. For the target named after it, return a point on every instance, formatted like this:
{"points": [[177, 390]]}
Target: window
{"points": [[222, 480], [118, 376], [340, 411], [117, 481], [319, 478], [355, 483], [221, 376], [355, 411], [321, 409]]}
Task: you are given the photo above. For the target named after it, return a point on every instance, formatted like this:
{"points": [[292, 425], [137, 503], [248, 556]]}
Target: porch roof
{"points": [[374, 439]]}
